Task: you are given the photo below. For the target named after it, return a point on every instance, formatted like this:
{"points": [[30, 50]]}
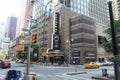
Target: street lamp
{"points": [[69, 49]]}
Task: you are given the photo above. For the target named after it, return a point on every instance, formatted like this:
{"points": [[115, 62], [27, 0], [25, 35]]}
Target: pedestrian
{"points": [[52, 62], [34, 77]]}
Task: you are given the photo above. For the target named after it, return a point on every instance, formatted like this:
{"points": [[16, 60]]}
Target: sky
{"points": [[8, 8]]}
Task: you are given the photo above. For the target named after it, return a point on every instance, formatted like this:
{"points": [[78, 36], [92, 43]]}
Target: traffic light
{"points": [[34, 38]]}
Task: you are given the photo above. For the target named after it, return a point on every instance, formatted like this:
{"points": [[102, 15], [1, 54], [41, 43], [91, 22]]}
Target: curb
{"points": [[75, 73]]}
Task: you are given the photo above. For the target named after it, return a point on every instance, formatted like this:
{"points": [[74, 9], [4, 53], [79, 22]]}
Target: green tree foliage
{"points": [[22, 55], [33, 55], [107, 41]]}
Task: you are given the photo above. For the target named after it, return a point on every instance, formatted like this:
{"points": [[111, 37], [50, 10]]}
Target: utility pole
{"points": [[114, 43]]}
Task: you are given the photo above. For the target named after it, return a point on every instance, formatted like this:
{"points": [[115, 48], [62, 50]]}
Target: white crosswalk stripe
{"points": [[69, 77], [2, 76]]}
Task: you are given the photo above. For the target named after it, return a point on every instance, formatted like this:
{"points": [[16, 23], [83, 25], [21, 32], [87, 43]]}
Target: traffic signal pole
{"points": [[30, 21], [29, 47]]}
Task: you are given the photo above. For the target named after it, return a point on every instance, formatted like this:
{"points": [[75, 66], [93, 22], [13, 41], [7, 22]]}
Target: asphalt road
{"points": [[58, 72]]}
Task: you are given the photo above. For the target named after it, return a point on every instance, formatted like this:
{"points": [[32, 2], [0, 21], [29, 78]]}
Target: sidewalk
{"points": [[109, 77]]}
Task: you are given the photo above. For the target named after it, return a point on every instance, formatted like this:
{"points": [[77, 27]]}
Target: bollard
{"points": [[104, 73]]}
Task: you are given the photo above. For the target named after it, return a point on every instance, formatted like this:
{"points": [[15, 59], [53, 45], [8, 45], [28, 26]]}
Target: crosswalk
{"points": [[2, 74], [70, 77]]}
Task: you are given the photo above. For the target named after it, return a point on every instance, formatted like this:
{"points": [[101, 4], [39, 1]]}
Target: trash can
{"points": [[18, 74], [11, 74], [104, 72]]}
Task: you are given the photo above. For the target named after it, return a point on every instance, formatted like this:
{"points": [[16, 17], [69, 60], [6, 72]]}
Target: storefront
{"points": [[53, 57]]}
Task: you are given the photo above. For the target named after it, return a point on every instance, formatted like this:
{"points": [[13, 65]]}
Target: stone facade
{"points": [[83, 33]]}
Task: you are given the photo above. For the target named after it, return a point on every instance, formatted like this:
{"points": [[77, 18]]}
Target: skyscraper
{"points": [[26, 12], [116, 9], [10, 30], [96, 9]]}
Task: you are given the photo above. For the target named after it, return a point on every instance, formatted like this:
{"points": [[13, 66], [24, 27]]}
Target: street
{"points": [[58, 72]]}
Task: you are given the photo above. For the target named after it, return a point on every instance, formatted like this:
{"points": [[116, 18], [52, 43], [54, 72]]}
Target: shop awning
{"points": [[52, 54]]}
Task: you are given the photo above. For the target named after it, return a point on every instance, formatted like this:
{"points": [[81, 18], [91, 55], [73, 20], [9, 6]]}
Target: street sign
{"points": [[25, 29], [31, 20]]}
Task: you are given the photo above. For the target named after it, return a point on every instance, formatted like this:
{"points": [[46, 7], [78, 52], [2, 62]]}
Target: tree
{"points": [[33, 55], [107, 41], [22, 55]]}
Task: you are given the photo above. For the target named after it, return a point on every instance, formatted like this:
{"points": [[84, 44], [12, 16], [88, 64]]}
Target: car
{"points": [[107, 63], [5, 64], [91, 65], [100, 63]]}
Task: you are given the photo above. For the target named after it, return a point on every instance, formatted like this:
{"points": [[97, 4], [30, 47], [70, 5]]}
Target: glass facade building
{"points": [[96, 9], [116, 9]]}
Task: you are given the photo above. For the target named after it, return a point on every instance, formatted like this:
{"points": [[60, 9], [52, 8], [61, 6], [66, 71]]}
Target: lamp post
{"points": [[69, 49]]}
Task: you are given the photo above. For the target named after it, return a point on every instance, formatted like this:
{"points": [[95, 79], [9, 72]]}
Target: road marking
{"points": [[68, 77], [2, 76]]}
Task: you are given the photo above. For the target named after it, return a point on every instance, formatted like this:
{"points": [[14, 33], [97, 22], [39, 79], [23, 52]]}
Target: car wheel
{"points": [[86, 67]]}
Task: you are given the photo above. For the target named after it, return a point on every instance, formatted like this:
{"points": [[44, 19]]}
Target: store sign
{"points": [[90, 54], [76, 53], [20, 48], [56, 42]]}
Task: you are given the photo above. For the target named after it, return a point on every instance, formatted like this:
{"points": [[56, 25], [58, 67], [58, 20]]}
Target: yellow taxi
{"points": [[91, 65]]}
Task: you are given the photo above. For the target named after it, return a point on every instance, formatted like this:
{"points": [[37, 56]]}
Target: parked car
{"points": [[107, 63], [5, 64], [91, 65], [100, 63]]}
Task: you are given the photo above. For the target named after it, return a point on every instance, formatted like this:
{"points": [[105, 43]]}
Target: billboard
{"points": [[2, 56], [6, 40]]}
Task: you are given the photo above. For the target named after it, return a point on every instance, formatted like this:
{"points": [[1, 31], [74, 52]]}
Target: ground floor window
{"points": [[101, 59]]}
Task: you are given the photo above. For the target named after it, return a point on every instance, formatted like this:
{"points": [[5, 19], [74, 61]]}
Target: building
{"points": [[2, 25], [83, 33], [46, 29], [26, 12], [116, 9], [5, 45], [96, 9], [16, 47], [68, 16], [11, 25]]}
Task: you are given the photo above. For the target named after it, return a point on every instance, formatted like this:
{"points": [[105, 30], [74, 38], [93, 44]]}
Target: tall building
{"points": [[26, 12], [96, 9], [2, 25], [45, 31], [11, 25], [116, 9], [76, 21]]}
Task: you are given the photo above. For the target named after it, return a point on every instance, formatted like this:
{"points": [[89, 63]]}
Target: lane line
{"points": [[72, 77]]}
